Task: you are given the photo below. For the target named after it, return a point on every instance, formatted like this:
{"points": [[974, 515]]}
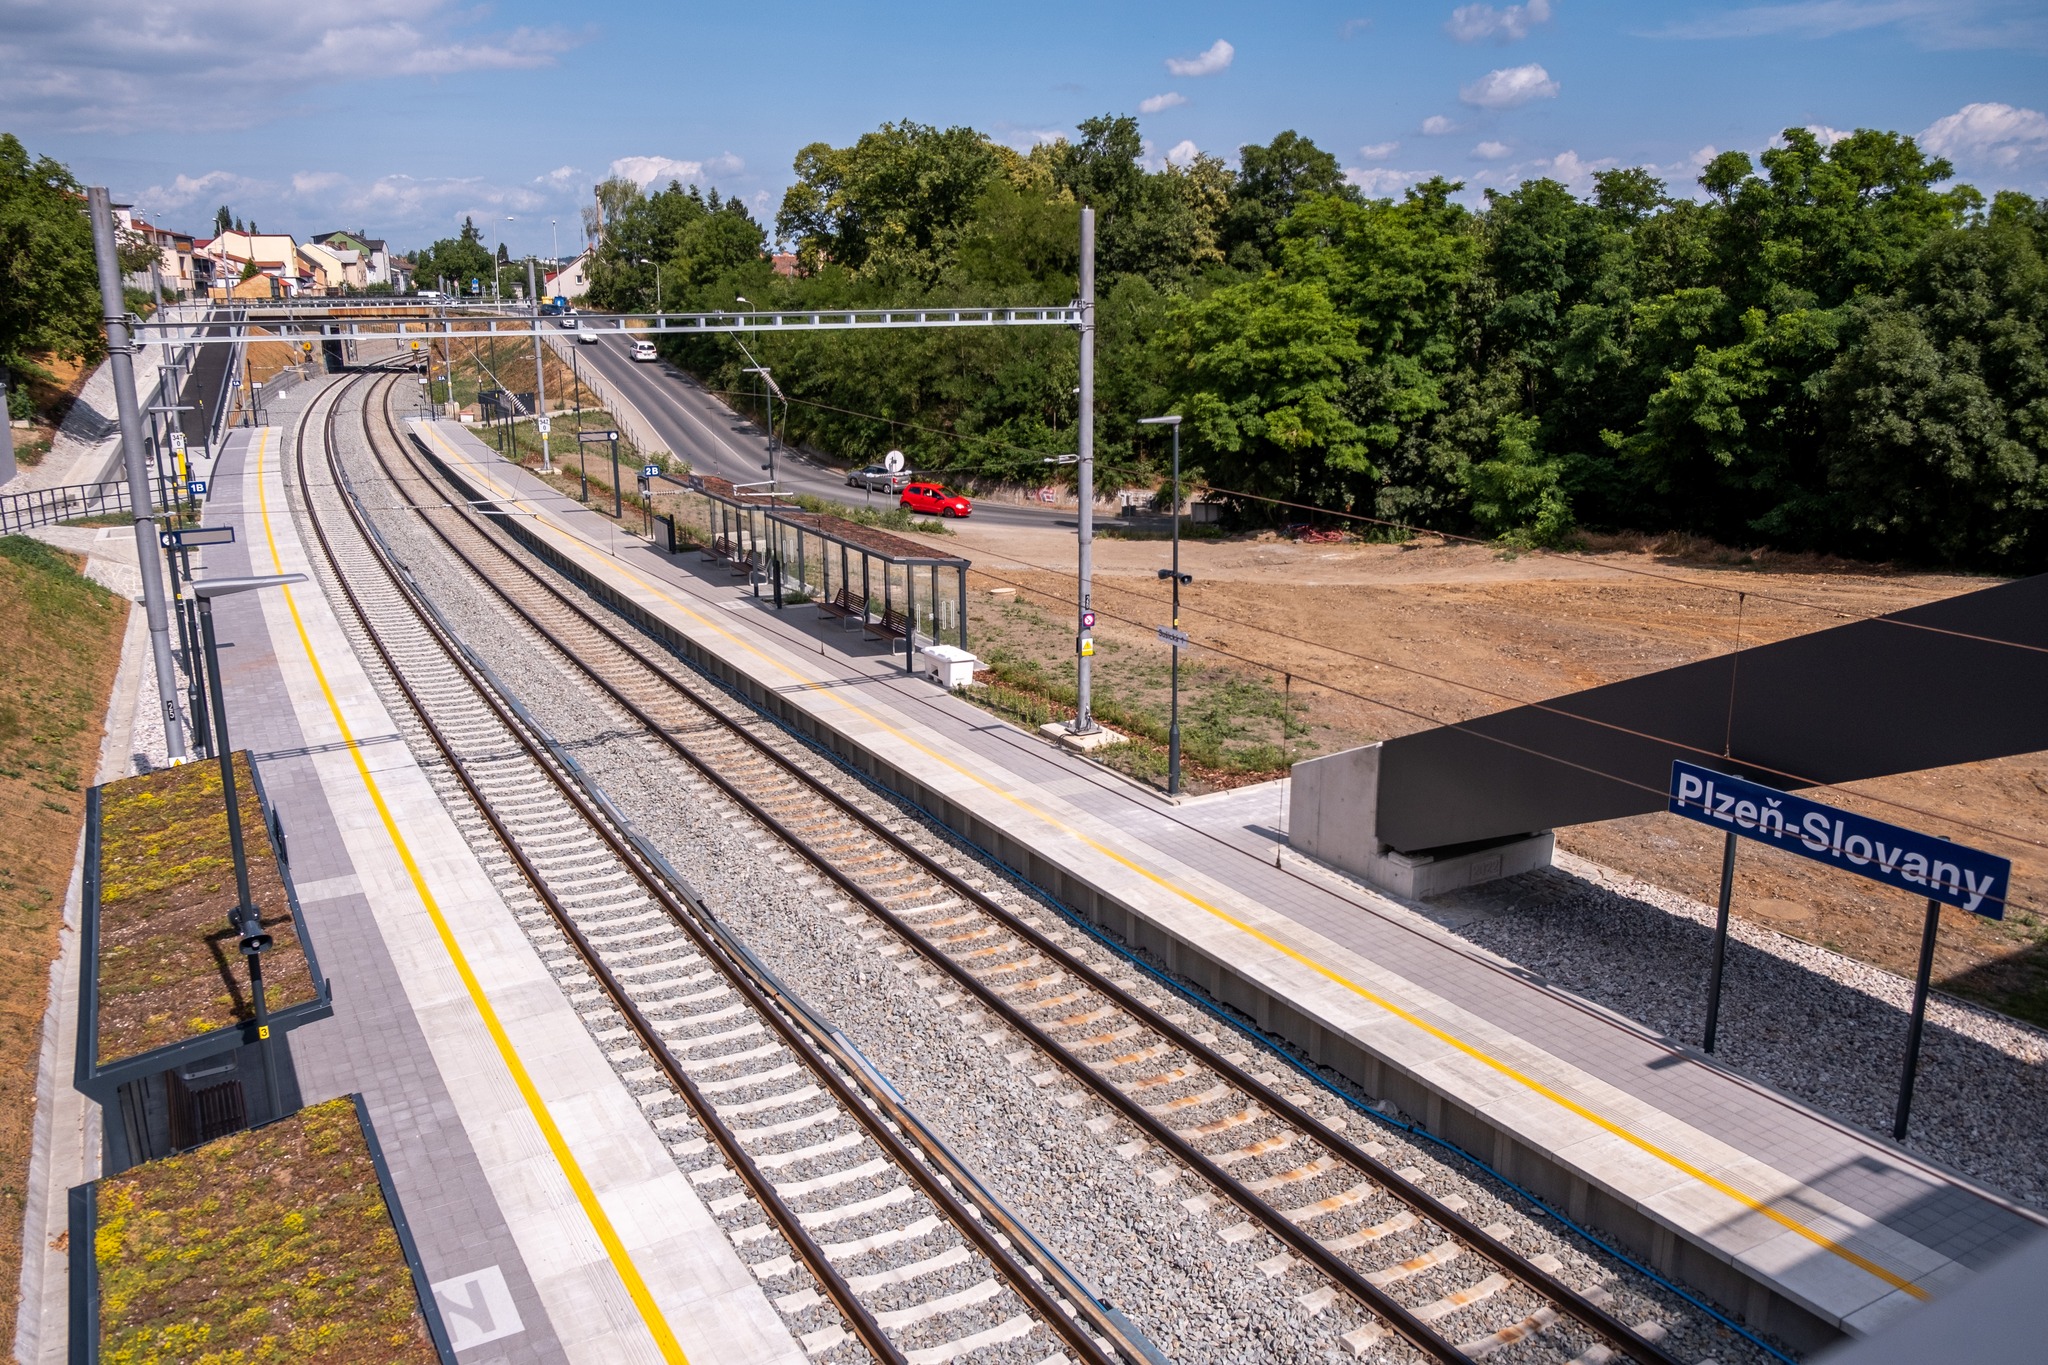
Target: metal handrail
{"points": [[46, 506]]}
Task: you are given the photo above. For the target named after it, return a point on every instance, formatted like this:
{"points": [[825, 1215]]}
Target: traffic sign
{"points": [[545, 424], [597, 435], [1087, 647], [1921, 863], [197, 536], [1177, 638], [893, 462], [178, 442], [1087, 620]]}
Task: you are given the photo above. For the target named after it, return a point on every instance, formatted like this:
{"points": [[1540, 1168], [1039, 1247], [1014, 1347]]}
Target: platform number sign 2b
{"points": [[1951, 873]]}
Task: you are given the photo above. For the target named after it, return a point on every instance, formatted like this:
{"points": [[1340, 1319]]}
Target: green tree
{"points": [[892, 203], [1271, 182], [1265, 363], [1937, 443], [49, 286], [458, 259]]}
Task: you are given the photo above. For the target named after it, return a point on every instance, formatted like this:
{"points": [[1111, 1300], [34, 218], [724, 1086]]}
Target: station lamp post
{"points": [[244, 918], [1177, 578]]}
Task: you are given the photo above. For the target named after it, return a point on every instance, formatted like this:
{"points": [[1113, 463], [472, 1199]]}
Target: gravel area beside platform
{"points": [[1817, 1025]]}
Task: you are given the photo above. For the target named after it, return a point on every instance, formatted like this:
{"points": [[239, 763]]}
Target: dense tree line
{"points": [[1835, 350]]}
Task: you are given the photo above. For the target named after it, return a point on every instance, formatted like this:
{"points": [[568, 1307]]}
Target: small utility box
{"points": [[948, 665], [167, 1040]]}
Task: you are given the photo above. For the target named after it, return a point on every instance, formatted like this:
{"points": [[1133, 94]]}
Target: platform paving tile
{"points": [[491, 1190], [1324, 945]]}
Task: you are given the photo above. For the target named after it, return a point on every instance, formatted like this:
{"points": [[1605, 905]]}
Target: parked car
{"points": [[878, 477], [432, 296], [644, 350], [934, 499], [585, 334]]}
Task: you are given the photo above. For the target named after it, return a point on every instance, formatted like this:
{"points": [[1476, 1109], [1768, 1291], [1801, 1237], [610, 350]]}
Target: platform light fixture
{"points": [[1177, 578], [243, 919]]}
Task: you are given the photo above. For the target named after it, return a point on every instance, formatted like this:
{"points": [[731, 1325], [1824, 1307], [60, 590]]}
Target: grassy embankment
{"points": [[60, 644]]}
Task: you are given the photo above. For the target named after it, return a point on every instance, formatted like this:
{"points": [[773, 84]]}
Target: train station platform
{"points": [[551, 1220], [1803, 1226]]}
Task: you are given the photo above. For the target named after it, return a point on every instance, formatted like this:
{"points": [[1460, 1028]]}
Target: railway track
{"points": [[1357, 1235], [866, 1233]]}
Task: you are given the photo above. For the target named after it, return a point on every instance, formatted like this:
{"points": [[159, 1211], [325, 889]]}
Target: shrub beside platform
{"points": [[167, 1037], [281, 1243]]}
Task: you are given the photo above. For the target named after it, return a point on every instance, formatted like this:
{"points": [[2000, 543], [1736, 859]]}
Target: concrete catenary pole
{"points": [[1084, 645], [121, 359], [540, 379]]}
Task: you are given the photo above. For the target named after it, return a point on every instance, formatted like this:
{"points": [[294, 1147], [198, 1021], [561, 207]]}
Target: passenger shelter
{"points": [[890, 587]]}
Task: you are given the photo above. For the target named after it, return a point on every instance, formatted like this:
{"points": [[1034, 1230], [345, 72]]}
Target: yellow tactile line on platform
{"points": [[600, 1222], [1612, 1126]]}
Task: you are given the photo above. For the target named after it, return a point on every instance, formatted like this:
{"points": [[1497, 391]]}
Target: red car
{"points": [[934, 499]]}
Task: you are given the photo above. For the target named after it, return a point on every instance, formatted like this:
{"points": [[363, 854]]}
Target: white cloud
{"points": [[1828, 136], [1492, 151], [1352, 27], [317, 182], [725, 163], [117, 66], [1572, 170], [1470, 23], [189, 189], [560, 177], [1994, 134], [1182, 152], [1378, 151], [645, 170], [1219, 56], [1510, 86], [1381, 182], [1436, 125], [1153, 104]]}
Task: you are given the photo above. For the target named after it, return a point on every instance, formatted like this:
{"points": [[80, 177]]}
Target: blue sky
{"points": [[401, 116]]}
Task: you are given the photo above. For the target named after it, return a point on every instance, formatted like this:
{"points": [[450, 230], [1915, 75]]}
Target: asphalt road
{"points": [[716, 440]]}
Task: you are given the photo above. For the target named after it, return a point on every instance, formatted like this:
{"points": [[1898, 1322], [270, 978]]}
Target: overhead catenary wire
{"points": [[1339, 689]]}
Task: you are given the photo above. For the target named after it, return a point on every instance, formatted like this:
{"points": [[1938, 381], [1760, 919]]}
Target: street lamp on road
{"points": [[244, 918], [497, 244], [1177, 578], [642, 260]]}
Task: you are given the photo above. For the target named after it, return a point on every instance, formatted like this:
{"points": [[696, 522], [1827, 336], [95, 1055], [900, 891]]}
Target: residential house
{"points": [[331, 269], [572, 281], [274, 254], [378, 264]]}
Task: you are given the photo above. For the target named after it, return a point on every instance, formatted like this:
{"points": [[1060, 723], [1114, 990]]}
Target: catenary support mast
{"points": [[121, 359]]}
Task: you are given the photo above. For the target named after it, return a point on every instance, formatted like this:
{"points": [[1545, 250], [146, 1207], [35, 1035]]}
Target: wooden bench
{"points": [[845, 606], [894, 625]]}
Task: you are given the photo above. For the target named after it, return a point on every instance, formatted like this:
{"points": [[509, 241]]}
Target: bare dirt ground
{"points": [[1382, 640]]}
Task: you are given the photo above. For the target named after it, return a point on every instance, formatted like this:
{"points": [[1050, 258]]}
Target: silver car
{"points": [[878, 478]]}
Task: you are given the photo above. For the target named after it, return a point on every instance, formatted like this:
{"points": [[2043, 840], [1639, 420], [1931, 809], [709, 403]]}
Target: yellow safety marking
{"points": [[1363, 992], [622, 1260]]}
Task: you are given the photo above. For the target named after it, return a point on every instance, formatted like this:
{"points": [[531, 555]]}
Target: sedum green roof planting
{"points": [[169, 967], [270, 1245]]}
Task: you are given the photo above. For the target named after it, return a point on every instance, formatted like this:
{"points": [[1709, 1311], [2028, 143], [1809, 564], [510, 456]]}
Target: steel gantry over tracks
{"points": [[354, 323]]}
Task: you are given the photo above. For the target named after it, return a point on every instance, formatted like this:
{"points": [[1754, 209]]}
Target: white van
{"points": [[644, 350]]}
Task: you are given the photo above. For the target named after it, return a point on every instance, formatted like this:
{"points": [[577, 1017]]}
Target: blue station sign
{"points": [[1951, 873]]}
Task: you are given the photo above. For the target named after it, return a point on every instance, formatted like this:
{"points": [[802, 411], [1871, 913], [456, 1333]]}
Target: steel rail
{"points": [[684, 909], [1570, 1301], [836, 1288]]}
